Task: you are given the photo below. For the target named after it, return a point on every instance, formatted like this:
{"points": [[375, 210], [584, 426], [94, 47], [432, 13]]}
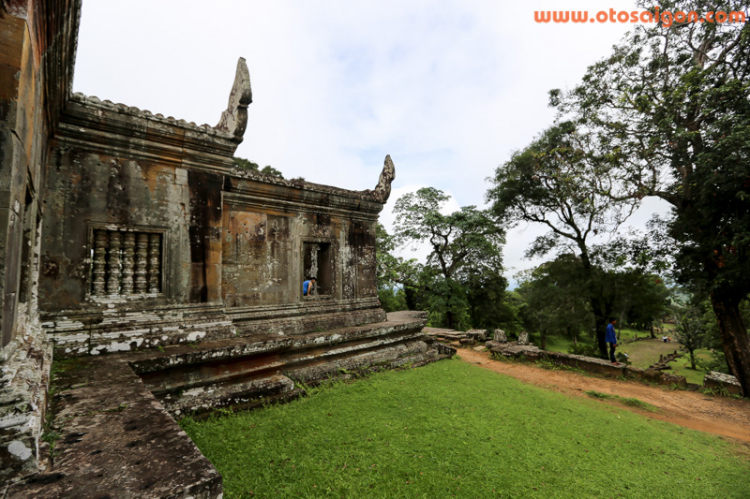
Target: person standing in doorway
{"points": [[611, 338], [308, 286]]}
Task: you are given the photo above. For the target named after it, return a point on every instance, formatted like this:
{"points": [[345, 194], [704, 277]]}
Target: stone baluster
{"points": [[314, 249], [128, 263], [113, 265], [141, 263], [154, 255], [100, 262]]}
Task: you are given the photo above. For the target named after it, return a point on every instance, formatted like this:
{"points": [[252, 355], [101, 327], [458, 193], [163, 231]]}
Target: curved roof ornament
{"points": [[234, 119], [383, 190]]}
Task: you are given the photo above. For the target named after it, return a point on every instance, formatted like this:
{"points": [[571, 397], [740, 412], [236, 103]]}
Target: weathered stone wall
{"points": [[232, 247], [37, 45]]}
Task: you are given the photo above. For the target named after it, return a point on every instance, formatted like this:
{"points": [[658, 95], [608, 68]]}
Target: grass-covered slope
{"points": [[452, 429]]}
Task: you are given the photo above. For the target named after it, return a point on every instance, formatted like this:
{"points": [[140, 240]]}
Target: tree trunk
{"points": [[601, 330], [598, 306], [543, 340], [449, 319], [692, 359], [734, 337]]}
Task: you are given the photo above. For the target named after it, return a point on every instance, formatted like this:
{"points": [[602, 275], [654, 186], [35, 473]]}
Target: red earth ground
{"points": [[727, 417]]}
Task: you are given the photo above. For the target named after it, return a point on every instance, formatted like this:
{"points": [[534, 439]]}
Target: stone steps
{"points": [[243, 371], [128, 402]]}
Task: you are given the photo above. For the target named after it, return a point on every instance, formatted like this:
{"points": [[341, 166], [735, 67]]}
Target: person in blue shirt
{"points": [[308, 286], [611, 338]]}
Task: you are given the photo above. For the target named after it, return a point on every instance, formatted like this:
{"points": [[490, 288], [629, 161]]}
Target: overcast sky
{"points": [[448, 88]]}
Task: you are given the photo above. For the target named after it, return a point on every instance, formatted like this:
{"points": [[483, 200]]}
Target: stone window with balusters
{"points": [[126, 262]]}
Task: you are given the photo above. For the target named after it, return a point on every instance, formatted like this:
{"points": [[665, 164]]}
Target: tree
{"points": [[672, 104], [689, 331], [485, 294], [630, 268], [397, 277], [246, 164], [392, 299], [555, 306], [510, 313], [466, 238], [718, 361], [557, 182]]}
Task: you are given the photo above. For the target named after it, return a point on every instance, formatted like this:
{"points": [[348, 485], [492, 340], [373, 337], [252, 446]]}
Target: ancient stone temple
{"points": [[160, 278]]}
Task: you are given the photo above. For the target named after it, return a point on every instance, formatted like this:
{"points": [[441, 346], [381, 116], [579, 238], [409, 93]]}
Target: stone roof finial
{"points": [[383, 190], [234, 119]]}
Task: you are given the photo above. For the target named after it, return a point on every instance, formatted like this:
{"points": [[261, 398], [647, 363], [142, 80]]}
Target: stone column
{"points": [[113, 265], [154, 255], [128, 263], [141, 263], [100, 262]]}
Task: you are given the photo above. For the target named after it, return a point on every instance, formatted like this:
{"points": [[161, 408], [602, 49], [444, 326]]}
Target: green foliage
{"points": [[558, 181], [717, 360], [669, 112], [690, 331], [395, 272], [462, 277], [554, 293], [622, 358], [392, 299], [510, 312], [246, 164], [413, 434]]}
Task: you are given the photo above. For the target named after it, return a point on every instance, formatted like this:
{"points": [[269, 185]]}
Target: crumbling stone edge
{"points": [[718, 383]]}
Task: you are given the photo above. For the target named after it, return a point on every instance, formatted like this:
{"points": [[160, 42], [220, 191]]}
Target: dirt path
{"points": [[723, 416]]}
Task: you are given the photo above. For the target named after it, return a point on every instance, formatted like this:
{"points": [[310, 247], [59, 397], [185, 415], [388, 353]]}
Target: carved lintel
{"points": [[234, 119], [383, 190]]}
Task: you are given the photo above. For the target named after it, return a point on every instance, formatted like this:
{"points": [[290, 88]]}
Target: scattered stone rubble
{"points": [[500, 336], [663, 363]]}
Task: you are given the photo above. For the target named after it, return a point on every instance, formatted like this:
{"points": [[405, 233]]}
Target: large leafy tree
{"points": [[689, 330], [632, 270], [467, 241], [397, 277], [672, 104], [554, 294], [558, 181]]}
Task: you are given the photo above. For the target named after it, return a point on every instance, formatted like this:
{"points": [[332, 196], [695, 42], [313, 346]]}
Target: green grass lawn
{"points": [[681, 367], [451, 429], [644, 353], [556, 343]]}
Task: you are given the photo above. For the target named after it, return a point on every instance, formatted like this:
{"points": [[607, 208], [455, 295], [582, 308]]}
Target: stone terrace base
{"points": [[244, 372], [117, 441], [112, 412]]}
